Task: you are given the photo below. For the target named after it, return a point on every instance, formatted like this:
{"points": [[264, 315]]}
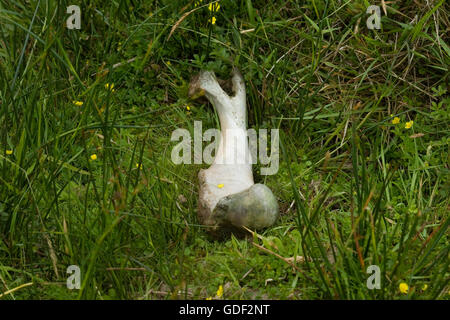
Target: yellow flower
{"points": [[403, 287], [214, 7], [409, 124], [188, 108], [9, 152], [93, 156], [139, 166], [209, 298], [219, 292], [220, 186], [212, 20], [110, 87], [78, 103], [197, 3], [168, 63], [396, 120], [425, 287]]}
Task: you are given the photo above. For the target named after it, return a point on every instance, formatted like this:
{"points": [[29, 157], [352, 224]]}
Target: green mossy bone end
{"points": [[254, 208]]}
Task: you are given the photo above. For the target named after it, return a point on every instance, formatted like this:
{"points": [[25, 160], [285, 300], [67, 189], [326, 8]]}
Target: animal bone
{"points": [[228, 196]]}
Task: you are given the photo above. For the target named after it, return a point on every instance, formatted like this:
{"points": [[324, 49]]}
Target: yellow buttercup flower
{"points": [[396, 120], [9, 152], [425, 287], [139, 166], [93, 157], [219, 292], [209, 298], [212, 20], [78, 103], [214, 7], [110, 87], [409, 124], [403, 287], [188, 108], [220, 186]]}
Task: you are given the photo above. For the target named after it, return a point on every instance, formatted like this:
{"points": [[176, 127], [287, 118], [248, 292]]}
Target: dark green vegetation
{"points": [[355, 188]]}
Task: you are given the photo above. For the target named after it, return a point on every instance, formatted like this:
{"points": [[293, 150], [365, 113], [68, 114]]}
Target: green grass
{"points": [[354, 189]]}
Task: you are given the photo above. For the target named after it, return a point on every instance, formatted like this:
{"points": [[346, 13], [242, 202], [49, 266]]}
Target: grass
{"points": [[354, 188]]}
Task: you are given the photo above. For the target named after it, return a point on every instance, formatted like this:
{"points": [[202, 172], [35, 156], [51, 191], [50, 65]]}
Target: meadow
{"points": [[86, 176]]}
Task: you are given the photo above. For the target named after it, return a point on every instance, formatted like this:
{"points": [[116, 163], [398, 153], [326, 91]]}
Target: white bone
{"points": [[232, 166], [229, 167]]}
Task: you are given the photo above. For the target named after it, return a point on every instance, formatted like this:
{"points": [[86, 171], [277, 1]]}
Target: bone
{"points": [[228, 197]]}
